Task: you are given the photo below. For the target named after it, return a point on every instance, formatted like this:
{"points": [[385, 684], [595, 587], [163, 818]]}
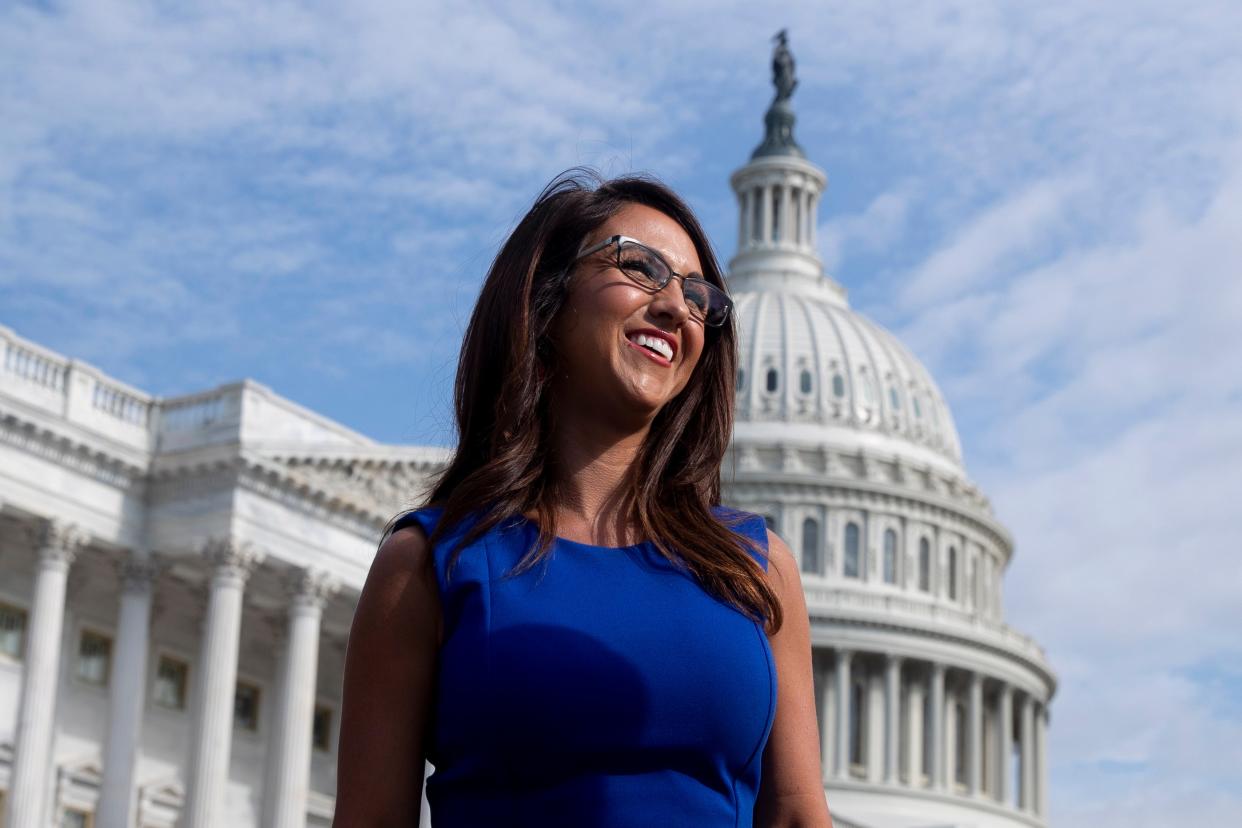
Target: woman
{"points": [[572, 630]]}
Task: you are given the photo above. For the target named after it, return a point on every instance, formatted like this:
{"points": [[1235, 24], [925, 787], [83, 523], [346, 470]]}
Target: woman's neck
{"points": [[593, 458]]}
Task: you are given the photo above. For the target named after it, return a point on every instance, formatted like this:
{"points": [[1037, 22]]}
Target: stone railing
{"points": [[931, 615], [75, 391]]}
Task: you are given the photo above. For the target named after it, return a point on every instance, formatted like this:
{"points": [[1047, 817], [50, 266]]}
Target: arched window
{"points": [[851, 550], [868, 389], [858, 721], [959, 743], [890, 556], [774, 380], [838, 385], [741, 378], [894, 399], [952, 573], [810, 546], [804, 382], [914, 403], [924, 565]]}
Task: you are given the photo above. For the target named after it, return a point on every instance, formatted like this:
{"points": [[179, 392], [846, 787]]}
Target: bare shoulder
{"points": [[390, 668], [783, 575]]}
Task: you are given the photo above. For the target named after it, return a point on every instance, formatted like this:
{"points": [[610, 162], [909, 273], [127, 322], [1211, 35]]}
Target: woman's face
{"points": [[602, 365]]}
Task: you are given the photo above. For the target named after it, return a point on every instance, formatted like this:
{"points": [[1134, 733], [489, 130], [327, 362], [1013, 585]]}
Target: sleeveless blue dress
{"points": [[605, 689]]}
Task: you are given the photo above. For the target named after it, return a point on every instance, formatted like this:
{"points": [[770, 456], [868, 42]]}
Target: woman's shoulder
{"points": [[749, 525]]}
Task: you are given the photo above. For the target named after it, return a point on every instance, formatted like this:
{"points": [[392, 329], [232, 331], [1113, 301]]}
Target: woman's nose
{"points": [[670, 301]]}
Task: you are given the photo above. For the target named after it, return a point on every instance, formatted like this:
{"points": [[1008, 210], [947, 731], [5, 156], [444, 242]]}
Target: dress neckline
{"points": [[573, 544]]}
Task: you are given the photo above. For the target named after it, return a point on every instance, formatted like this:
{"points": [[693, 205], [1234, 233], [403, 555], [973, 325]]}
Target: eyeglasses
{"points": [[708, 303]]}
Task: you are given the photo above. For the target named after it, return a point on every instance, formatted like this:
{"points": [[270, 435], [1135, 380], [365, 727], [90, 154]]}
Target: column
{"points": [[843, 713], [892, 717], [765, 212], [126, 697], [937, 727], [1026, 734], [743, 219], [1004, 727], [57, 544], [308, 591], [231, 563], [974, 736], [828, 712], [914, 734], [1041, 763], [787, 228]]}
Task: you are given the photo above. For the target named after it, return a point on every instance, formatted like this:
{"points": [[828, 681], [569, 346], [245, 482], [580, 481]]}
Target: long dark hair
{"points": [[502, 464]]}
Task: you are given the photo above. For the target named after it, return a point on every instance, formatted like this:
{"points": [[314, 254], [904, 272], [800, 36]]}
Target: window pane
{"points": [[73, 818], [773, 380], [170, 681], [12, 630], [851, 550], [890, 556], [805, 381], [952, 573], [838, 385], [810, 546], [924, 565], [246, 706], [321, 731], [94, 657]]}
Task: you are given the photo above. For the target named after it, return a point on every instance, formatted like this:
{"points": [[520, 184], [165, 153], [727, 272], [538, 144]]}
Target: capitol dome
{"points": [[932, 709]]}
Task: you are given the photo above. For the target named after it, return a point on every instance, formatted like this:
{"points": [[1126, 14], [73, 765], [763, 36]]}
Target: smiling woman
{"points": [[656, 671]]}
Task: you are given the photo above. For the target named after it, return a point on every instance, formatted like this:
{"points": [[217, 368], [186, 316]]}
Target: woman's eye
{"points": [[641, 266]]}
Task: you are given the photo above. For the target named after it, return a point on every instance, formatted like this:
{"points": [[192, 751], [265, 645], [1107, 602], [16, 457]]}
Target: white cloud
{"points": [[878, 226]]}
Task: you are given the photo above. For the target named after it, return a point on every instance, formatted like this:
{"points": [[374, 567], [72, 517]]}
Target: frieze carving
{"points": [[386, 488]]}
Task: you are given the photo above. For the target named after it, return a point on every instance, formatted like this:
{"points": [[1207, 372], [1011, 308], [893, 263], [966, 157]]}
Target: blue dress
{"points": [[607, 689]]}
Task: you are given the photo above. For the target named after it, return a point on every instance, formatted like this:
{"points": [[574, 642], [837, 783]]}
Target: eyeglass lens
{"points": [[707, 302]]}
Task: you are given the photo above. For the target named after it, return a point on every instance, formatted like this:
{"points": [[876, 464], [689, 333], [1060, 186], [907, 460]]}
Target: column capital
{"points": [[892, 660], [232, 558], [137, 574], [310, 588], [57, 541], [843, 656]]}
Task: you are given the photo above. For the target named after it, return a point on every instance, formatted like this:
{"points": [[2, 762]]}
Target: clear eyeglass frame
{"points": [[713, 306]]}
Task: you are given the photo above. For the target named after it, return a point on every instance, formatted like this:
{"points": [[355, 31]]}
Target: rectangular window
{"points": [[170, 682], [73, 818], [246, 706], [321, 731], [12, 631], [94, 658]]}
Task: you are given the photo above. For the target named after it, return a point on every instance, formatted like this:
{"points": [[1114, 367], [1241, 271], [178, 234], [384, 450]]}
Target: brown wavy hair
{"points": [[502, 466]]}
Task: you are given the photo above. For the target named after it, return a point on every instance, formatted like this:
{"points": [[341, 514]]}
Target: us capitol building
{"points": [[178, 575]]}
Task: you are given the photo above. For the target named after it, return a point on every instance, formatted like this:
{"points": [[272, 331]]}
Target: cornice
{"points": [[89, 458], [866, 478]]}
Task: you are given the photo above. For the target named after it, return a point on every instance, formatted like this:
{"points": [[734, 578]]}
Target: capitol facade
{"points": [[178, 576]]}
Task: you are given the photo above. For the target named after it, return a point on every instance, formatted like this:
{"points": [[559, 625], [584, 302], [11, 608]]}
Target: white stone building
{"points": [[176, 575]]}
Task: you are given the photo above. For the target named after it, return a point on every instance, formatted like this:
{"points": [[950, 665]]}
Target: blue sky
{"points": [[1043, 200]]}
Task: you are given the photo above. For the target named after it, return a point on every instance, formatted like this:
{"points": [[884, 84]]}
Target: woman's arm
{"points": [[791, 793], [390, 668]]}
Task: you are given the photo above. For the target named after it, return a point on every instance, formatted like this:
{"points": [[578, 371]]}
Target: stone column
{"points": [[1026, 735], [1004, 727], [231, 563], [308, 591], [936, 691], [914, 734], [126, 697], [827, 708], [974, 736], [743, 220], [844, 658], [57, 544], [892, 717], [787, 217], [1041, 764]]}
